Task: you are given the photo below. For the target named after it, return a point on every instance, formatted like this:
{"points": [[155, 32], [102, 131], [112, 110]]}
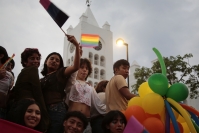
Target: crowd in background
{"points": [[62, 101]]}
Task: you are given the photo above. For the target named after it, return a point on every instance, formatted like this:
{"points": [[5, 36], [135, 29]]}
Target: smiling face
{"points": [[82, 72], [53, 63], [33, 60], [73, 125], [117, 125], [32, 116]]}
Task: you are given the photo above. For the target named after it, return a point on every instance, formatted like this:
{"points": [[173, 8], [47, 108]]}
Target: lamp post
{"points": [[121, 42]]}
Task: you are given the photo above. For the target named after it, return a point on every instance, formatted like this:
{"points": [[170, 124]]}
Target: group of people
{"points": [[62, 101]]}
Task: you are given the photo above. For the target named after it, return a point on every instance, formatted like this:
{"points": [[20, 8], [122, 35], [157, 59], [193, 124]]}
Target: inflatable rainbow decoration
{"points": [[158, 108]]}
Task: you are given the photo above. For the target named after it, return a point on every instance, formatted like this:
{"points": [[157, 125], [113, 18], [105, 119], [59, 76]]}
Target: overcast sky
{"points": [[171, 26]]}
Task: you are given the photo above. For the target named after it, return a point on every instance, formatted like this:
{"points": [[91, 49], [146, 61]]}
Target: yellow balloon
{"points": [[185, 127], [153, 103], [176, 114], [180, 119], [183, 113], [144, 89], [135, 101]]}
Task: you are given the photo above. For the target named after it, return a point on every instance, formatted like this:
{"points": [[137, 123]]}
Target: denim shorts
{"points": [[57, 113]]}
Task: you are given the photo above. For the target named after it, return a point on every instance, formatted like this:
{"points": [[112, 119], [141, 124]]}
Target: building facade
{"points": [[101, 56]]}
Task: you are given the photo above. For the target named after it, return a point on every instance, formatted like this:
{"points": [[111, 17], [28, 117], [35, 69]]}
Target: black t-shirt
{"points": [[53, 86]]}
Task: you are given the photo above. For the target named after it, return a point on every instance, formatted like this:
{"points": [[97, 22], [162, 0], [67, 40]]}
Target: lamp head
{"points": [[120, 42]]}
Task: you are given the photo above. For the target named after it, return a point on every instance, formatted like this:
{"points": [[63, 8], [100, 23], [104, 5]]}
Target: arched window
{"points": [[72, 59], [102, 74], [102, 61], [96, 73], [96, 59], [90, 56], [68, 62]]}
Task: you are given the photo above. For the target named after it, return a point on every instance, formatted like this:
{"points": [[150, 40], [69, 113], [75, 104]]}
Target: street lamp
{"points": [[121, 42]]}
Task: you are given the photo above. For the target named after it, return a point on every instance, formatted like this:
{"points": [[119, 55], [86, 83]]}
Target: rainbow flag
{"points": [[89, 40]]}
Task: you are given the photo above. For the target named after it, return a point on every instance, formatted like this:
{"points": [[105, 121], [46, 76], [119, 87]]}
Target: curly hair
{"points": [[27, 53], [88, 63]]}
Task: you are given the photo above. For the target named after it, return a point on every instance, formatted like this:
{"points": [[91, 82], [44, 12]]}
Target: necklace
{"points": [[83, 86], [51, 73]]}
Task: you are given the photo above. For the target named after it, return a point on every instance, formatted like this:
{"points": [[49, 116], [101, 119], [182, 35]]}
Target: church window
{"points": [[96, 73], [96, 59], [102, 74], [90, 56], [102, 61]]}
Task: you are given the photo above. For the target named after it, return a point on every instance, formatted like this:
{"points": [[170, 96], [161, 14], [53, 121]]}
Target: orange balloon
{"points": [[153, 125], [153, 115], [137, 112], [163, 115], [172, 128]]}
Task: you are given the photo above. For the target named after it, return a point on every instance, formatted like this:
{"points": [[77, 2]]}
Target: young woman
{"points": [[83, 97], [75, 122], [29, 115], [53, 84], [27, 87], [114, 122]]}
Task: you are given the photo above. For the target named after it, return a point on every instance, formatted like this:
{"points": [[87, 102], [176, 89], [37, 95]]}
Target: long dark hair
{"points": [[21, 110], [44, 71], [109, 117]]}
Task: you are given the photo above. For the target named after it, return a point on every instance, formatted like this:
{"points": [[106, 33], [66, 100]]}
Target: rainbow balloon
{"points": [[89, 40]]}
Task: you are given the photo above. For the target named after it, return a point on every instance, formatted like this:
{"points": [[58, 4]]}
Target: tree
{"points": [[178, 70]]}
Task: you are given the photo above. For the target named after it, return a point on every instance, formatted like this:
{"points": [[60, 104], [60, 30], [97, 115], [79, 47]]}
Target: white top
{"points": [[80, 91], [6, 83]]}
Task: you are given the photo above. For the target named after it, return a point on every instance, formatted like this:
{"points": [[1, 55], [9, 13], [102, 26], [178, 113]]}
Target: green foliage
{"points": [[178, 71]]}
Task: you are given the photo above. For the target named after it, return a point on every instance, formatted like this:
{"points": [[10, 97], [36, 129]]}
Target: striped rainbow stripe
{"points": [[89, 40]]}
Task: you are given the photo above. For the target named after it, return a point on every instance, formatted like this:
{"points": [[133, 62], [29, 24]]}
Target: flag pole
{"points": [[64, 32]]}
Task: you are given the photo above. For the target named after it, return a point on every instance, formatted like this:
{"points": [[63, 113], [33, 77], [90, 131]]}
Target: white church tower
{"points": [[132, 79], [101, 57]]}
